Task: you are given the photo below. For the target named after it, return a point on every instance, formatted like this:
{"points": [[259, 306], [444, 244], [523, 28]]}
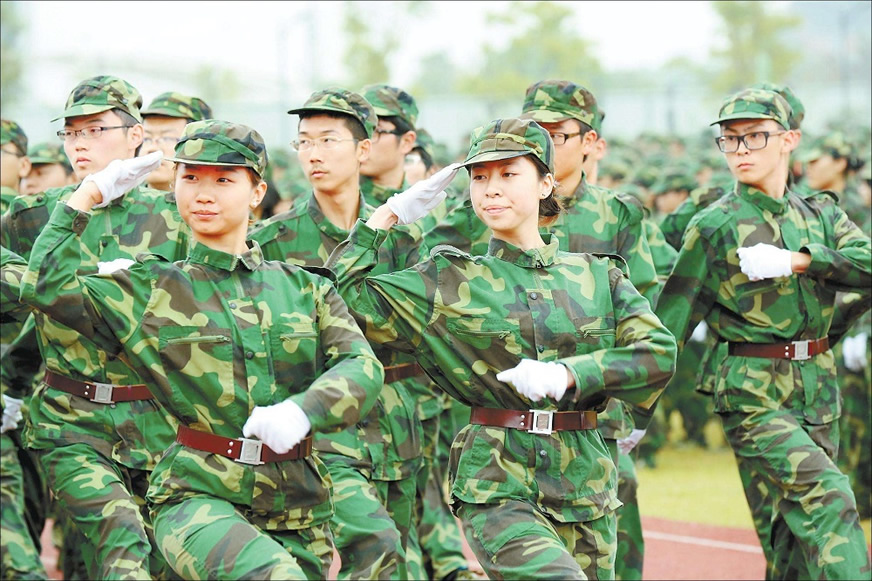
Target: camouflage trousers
{"points": [[372, 522], [203, 537], [106, 502], [512, 539], [631, 545], [438, 531], [802, 504], [19, 556]]}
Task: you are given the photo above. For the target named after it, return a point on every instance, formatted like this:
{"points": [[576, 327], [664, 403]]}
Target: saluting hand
{"points": [[414, 203], [122, 175]]}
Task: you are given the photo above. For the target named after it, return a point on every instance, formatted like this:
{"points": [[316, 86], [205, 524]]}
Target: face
{"points": [[331, 169], [214, 200], [505, 195], [824, 172], [667, 202], [388, 150], [43, 176], [569, 156], [161, 134], [13, 166], [91, 155], [756, 168], [415, 168]]}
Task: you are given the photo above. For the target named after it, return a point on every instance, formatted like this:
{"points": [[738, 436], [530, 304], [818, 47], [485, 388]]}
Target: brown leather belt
{"points": [[534, 421], [403, 371], [97, 392], [795, 350], [242, 450]]}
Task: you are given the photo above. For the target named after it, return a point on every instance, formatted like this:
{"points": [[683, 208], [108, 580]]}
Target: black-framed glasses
{"points": [[753, 141], [87, 132], [560, 138], [380, 131], [324, 142], [166, 140]]}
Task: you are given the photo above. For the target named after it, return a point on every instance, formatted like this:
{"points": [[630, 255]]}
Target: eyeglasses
{"points": [[87, 132], [377, 131], [560, 138], [161, 140], [325, 142], [753, 141], [13, 153]]}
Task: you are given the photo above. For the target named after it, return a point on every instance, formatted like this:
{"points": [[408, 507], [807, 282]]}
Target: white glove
{"points": [[765, 261], [699, 333], [280, 426], [423, 196], [626, 445], [114, 265], [11, 413], [122, 175], [854, 352], [536, 379]]}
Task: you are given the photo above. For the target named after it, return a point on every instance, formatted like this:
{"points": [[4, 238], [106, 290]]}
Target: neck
{"points": [[837, 184], [393, 178], [524, 240], [775, 184], [570, 183], [341, 207], [233, 243]]}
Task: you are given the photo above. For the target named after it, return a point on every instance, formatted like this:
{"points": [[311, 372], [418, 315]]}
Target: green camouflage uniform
{"points": [[217, 334], [532, 506], [44, 153], [12, 133], [118, 444], [438, 535], [599, 220], [173, 104], [780, 415], [374, 463]]}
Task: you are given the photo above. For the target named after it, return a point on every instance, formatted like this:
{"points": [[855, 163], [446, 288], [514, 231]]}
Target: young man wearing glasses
{"points": [[163, 123], [373, 464], [92, 420], [761, 267]]}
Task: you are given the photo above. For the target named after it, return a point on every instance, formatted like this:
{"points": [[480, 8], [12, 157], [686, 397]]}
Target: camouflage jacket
{"points": [[12, 268], [673, 225], [7, 195], [215, 335], [387, 443], [467, 318], [708, 284], [144, 220], [376, 195]]}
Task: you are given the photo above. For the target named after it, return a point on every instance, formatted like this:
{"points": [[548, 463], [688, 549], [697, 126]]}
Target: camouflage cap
{"points": [[674, 179], [341, 101], [797, 110], [11, 132], [392, 102], [507, 138], [173, 104], [216, 142], [102, 93], [597, 124], [555, 101], [834, 144], [49, 152], [755, 104]]}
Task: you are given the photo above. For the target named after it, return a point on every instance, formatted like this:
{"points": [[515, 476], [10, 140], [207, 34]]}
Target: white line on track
{"points": [[702, 541]]}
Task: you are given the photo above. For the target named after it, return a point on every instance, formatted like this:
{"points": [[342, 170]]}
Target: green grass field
{"points": [[693, 484]]}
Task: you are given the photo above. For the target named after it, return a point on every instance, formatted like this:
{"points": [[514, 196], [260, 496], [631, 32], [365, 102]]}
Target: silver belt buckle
{"points": [[250, 452], [102, 392], [800, 350], [543, 422]]}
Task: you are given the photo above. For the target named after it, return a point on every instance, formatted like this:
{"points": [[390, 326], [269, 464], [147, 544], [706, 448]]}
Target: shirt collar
{"points": [[250, 259], [328, 227], [758, 198], [533, 258]]}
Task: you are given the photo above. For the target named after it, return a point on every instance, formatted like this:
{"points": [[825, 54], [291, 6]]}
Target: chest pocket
{"points": [[295, 353], [594, 333], [198, 352]]}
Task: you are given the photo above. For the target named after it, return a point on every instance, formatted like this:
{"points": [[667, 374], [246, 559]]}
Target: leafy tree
{"points": [[11, 28], [368, 51], [753, 50]]}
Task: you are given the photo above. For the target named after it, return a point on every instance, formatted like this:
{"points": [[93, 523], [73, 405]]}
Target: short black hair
{"points": [[128, 120], [400, 125], [358, 131]]}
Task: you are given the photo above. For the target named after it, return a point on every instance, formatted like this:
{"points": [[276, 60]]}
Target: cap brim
{"points": [[746, 115], [198, 162], [810, 155], [485, 156], [81, 110], [545, 116], [43, 160], [163, 113]]}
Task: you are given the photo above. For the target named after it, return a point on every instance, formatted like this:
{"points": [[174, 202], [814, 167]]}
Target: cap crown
{"points": [[48, 153], [174, 104], [344, 101], [796, 106], [11, 132], [103, 93], [507, 138], [216, 142], [391, 101], [553, 101], [755, 104]]}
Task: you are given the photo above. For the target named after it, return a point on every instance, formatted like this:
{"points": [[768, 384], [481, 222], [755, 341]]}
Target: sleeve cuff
{"points": [[69, 218]]}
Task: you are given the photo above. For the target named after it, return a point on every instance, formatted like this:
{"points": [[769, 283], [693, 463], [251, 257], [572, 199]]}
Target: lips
{"points": [[494, 209]]}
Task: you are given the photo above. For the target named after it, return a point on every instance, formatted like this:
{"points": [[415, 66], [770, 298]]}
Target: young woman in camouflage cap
{"points": [[232, 346], [535, 340]]}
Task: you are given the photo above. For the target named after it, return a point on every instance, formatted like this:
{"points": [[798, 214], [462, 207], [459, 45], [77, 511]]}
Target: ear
{"points": [[601, 148], [135, 136], [546, 186], [407, 141], [364, 146], [791, 141], [24, 167], [258, 194], [588, 142]]}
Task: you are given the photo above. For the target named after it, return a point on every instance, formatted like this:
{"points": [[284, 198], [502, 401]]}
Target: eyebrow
{"points": [[324, 132], [751, 126]]}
